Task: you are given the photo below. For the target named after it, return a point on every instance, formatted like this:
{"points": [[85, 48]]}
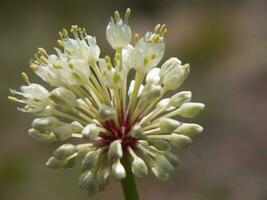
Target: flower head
{"points": [[92, 104]]}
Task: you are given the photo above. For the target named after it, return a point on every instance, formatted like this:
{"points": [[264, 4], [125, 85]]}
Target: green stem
{"points": [[128, 184]]}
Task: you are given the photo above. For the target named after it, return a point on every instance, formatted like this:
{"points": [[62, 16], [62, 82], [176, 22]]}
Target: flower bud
{"points": [[63, 132], [103, 176], [189, 129], [190, 110], [42, 136], [161, 145], [55, 163], [107, 113], [182, 97], [137, 132], [45, 123], [139, 167], [168, 125], [152, 76], [115, 149], [173, 73], [180, 141], [86, 179], [173, 159], [163, 176], [150, 92], [63, 97], [118, 170], [90, 159], [90, 132], [163, 164], [64, 151]]}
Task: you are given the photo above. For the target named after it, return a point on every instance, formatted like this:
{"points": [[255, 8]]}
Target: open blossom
{"points": [[104, 117]]}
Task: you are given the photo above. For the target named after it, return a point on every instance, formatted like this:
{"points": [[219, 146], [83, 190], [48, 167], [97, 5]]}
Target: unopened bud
{"points": [[168, 125], [190, 110], [115, 149], [55, 163], [161, 145], [182, 97], [137, 132], [189, 129], [63, 132], [180, 141], [163, 176], [152, 76], [64, 151], [45, 123], [91, 131], [107, 113], [173, 159], [163, 164], [118, 170], [42, 136], [90, 159], [63, 97], [86, 179], [139, 167]]}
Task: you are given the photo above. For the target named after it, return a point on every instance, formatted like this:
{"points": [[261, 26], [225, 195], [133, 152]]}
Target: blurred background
{"points": [[226, 44]]}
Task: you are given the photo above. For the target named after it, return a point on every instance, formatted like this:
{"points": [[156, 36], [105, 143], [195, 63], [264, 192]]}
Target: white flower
{"points": [[118, 33], [88, 102]]}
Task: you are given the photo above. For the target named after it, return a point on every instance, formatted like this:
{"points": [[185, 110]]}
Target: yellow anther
{"points": [[42, 51], [163, 28], [12, 98], [25, 77], [127, 13], [60, 43], [157, 28], [42, 59], [34, 67], [153, 56], [57, 66], [64, 32], [74, 29], [107, 59], [186, 66], [117, 16], [136, 38]]}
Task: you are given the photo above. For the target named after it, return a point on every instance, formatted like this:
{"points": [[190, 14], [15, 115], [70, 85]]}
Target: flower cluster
{"points": [[109, 116]]}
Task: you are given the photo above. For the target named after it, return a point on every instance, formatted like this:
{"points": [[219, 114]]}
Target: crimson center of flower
{"points": [[115, 133]]}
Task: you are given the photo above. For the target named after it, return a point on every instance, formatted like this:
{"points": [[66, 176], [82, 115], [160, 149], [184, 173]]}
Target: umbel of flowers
{"points": [[100, 114]]}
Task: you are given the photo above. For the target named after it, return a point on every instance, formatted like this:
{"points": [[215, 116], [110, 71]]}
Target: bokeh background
{"points": [[226, 44]]}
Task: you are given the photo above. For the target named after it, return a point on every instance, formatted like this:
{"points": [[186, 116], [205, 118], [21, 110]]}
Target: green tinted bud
{"points": [[103, 176], [107, 113], [190, 110], [163, 176], [41, 137], [86, 180], [55, 163], [163, 164], [182, 97], [137, 132], [139, 167], [64, 151], [115, 149], [173, 159], [151, 91], [90, 159], [161, 145], [168, 125], [90, 132], [63, 132], [180, 141], [45, 123], [118, 170], [63, 97], [190, 130]]}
